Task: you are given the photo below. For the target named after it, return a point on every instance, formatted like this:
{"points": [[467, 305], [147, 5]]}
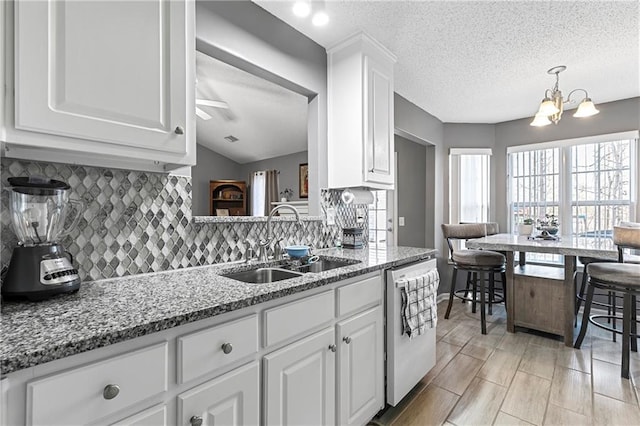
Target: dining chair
{"points": [[478, 262], [622, 278]]}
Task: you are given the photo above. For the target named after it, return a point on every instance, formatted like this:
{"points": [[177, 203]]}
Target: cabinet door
{"points": [[360, 367], [378, 139], [231, 399], [113, 72], [299, 382], [154, 416]]}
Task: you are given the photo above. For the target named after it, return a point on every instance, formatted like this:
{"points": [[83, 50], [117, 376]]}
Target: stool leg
{"points": [[613, 312], [585, 318], [491, 288], [626, 325], [483, 319], [580, 295], [634, 325], [466, 293], [451, 292], [475, 292]]}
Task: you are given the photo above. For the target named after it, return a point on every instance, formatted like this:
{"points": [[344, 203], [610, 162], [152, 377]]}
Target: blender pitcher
{"points": [[39, 208]]}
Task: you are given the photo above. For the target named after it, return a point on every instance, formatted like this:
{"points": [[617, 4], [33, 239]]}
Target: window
{"points": [[469, 188], [378, 218], [589, 184]]}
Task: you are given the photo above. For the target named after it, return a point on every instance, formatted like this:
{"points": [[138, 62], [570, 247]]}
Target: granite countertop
{"points": [[114, 310]]}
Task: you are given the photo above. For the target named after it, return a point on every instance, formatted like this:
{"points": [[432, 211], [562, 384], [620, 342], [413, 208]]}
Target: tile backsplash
{"points": [[135, 222]]}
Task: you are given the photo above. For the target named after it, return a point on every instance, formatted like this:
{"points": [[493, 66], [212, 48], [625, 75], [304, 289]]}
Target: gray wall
{"points": [[288, 165], [411, 192], [249, 37], [211, 166]]}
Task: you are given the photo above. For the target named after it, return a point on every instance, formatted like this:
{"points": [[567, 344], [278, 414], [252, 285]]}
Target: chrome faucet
{"points": [[265, 243]]}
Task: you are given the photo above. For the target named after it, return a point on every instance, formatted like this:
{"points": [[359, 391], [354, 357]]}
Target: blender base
{"points": [[38, 273]]}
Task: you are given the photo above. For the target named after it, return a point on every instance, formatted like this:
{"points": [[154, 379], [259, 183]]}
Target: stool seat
{"points": [[478, 258], [626, 274]]}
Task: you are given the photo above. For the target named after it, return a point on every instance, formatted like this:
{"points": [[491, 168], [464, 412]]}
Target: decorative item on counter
{"points": [[526, 227], [297, 251], [548, 227], [286, 195], [352, 238]]}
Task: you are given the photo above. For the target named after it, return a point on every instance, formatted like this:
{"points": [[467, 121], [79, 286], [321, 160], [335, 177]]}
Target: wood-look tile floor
{"points": [[518, 378]]}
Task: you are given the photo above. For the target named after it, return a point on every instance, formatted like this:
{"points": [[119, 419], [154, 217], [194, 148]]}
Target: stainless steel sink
{"points": [[263, 275], [325, 265]]}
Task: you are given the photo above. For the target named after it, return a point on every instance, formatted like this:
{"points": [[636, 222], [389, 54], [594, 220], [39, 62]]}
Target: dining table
{"points": [[542, 296]]}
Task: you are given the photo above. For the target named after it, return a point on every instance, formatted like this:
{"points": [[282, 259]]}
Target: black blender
{"points": [[40, 267]]}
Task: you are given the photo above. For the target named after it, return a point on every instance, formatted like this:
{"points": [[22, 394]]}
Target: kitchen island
{"points": [[543, 297], [161, 332]]}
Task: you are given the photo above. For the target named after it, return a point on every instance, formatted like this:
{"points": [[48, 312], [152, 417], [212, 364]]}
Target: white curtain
{"points": [[264, 191]]}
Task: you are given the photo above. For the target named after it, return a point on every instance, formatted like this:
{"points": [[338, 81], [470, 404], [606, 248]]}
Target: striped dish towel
{"points": [[419, 309]]}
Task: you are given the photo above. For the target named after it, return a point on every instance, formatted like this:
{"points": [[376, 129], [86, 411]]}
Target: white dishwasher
{"points": [[408, 360]]}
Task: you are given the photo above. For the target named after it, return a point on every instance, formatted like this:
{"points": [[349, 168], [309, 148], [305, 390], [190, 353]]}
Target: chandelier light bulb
{"points": [[540, 120], [302, 8], [586, 109], [320, 18], [548, 107]]}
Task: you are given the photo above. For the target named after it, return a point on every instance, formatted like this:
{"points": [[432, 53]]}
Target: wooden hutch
{"points": [[227, 195]]}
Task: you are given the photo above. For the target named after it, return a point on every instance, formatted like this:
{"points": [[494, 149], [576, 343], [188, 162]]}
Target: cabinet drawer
{"points": [[358, 295], [78, 396], [297, 317], [204, 351]]}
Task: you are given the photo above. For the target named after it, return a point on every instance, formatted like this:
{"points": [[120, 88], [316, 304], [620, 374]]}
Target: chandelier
{"points": [[552, 105]]}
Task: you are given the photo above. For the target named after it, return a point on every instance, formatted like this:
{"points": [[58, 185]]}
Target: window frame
{"points": [[455, 181]]}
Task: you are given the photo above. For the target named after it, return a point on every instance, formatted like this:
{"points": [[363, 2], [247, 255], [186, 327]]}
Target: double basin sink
{"points": [[286, 271]]}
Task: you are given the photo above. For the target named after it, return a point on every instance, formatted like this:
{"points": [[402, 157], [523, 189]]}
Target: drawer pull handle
{"points": [[227, 348], [195, 421], [347, 340], [179, 131], [110, 391], [332, 348]]}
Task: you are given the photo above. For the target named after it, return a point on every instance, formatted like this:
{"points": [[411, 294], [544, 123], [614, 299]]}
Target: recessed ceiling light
{"points": [[320, 18], [302, 8]]}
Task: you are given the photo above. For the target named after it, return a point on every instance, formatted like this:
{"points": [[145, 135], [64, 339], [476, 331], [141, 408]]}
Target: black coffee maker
{"points": [[40, 267]]}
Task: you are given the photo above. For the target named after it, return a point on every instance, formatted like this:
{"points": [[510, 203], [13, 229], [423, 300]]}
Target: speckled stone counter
{"points": [[602, 248], [114, 310]]}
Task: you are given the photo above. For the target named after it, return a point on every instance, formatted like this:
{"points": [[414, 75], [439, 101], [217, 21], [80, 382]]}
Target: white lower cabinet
{"points": [[231, 399], [306, 359], [360, 367], [299, 382]]}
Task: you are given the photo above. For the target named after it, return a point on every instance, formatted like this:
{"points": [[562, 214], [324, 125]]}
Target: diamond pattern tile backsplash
{"points": [[135, 222]]}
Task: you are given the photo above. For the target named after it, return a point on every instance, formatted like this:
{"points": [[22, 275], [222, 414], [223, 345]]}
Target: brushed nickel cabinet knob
{"points": [[227, 348], [179, 130], [110, 391], [347, 340], [332, 348], [195, 421]]}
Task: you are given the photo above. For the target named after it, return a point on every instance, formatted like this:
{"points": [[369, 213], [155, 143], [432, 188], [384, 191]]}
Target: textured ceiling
{"points": [[268, 120], [487, 61]]}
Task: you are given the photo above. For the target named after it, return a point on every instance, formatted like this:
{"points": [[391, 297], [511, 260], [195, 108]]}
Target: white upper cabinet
{"points": [[111, 78], [360, 102]]}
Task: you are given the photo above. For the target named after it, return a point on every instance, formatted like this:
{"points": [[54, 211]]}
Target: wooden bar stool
{"points": [[476, 262], [624, 279]]}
